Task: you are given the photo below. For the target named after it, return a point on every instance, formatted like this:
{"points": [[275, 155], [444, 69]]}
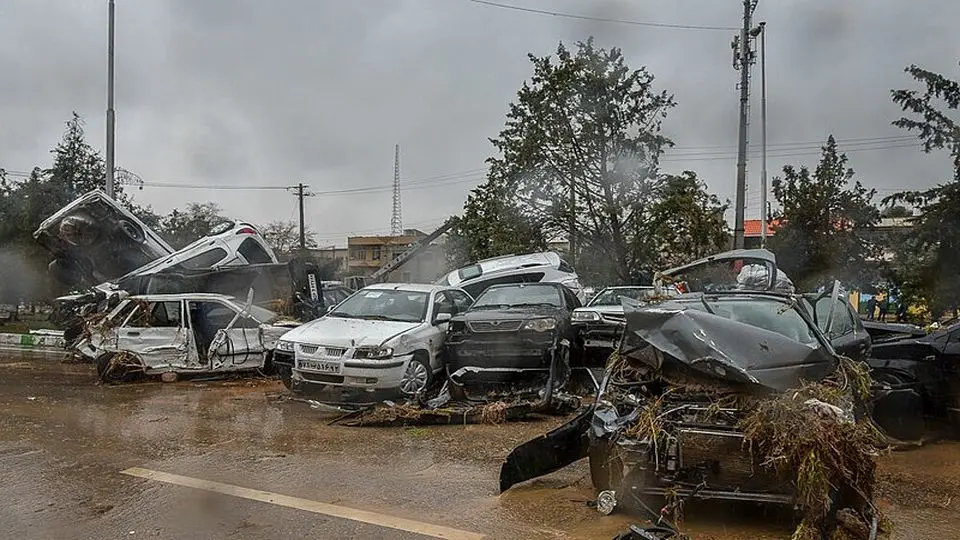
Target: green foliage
{"points": [[687, 220], [181, 227], [491, 226], [77, 167], [928, 259], [578, 156], [284, 237], [821, 224]]}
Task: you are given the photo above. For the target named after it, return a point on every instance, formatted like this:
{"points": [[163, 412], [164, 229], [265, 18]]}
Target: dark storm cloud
{"points": [[248, 92]]}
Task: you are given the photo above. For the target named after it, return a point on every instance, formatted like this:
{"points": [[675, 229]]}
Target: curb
{"points": [[33, 340]]}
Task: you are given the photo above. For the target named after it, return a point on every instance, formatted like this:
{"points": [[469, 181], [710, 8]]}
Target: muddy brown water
{"points": [[64, 439]]}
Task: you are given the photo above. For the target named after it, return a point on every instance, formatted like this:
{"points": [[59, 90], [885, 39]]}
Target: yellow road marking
{"points": [[363, 516]]}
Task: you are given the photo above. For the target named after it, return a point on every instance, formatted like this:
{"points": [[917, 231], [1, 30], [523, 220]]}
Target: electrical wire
{"points": [[603, 19]]}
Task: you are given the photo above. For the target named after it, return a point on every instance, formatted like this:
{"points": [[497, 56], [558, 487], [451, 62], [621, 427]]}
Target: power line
{"points": [[818, 144], [603, 19], [685, 158]]}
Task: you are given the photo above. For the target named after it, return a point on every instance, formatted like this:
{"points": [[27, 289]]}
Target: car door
{"points": [[221, 344], [442, 308], [836, 319], [155, 332]]}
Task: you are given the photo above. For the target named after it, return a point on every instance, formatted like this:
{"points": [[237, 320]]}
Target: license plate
{"points": [[322, 367]]}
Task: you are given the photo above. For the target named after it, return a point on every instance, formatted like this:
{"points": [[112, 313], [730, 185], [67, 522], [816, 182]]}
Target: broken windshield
{"points": [[766, 313], [383, 304], [520, 294]]}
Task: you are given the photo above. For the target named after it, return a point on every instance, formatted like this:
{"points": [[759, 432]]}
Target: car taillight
{"points": [[247, 230]]}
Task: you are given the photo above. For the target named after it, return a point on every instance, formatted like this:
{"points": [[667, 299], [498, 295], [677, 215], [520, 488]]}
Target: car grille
{"points": [[496, 326], [328, 351]]}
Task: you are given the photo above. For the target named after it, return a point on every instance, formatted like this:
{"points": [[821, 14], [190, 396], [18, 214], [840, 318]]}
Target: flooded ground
{"points": [[231, 459]]}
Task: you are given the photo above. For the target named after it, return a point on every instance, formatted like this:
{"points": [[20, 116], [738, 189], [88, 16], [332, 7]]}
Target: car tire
{"points": [[606, 465], [417, 376], [109, 372]]}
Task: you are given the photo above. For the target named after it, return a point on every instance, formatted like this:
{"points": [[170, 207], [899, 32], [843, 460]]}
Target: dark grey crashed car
{"points": [[754, 336]]}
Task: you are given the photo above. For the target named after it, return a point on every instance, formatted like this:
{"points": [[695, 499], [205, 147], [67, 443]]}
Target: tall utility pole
{"points": [[111, 118], [763, 134], [742, 59], [303, 230], [396, 220]]}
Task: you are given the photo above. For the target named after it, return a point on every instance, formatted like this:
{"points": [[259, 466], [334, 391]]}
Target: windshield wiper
{"points": [[535, 304], [340, 314], [488, 306]]}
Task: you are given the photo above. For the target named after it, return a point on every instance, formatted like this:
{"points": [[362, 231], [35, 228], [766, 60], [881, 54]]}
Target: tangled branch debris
{"points": [[830, 459], [410, 414]]}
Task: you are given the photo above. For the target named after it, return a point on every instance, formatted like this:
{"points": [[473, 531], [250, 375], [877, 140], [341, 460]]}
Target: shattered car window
{"points": [[519, 295], [768, 314], [253, 252], [611, 297], [730, 275], [262, 315], [388, 305]]}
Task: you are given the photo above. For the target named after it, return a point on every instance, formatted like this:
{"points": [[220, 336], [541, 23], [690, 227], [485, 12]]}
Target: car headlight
{"points": [[285, 346], [585, 316], [540, 325], [373, 353]]}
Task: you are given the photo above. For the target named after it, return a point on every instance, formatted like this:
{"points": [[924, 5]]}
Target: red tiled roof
{"points": [[751, 227]]}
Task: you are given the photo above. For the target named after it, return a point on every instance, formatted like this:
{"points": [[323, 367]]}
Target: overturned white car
{"points": [[182, 333]]}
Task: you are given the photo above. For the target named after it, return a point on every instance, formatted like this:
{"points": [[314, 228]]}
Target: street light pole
{"points": [[763, 134], [111, 117]]}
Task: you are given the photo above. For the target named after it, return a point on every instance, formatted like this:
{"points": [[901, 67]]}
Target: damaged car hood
{"points": [[347, 333], [724, 348]]}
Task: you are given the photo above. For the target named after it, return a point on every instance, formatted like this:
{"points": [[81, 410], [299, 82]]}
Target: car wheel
{"points": [[606, 465], [416, 377], [118, 367]]}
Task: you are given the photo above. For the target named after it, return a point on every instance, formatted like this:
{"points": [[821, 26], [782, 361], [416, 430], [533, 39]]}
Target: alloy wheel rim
{"points": [[414, 378]]}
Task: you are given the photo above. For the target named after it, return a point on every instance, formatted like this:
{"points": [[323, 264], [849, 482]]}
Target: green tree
{"points": [[578, 154], [821, 223], [491, 225], [182, 227], [687, 220], [928, 261], [284, 237], [77, 167]]}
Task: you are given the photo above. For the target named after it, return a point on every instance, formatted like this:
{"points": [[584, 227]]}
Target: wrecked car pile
{"points": [[699, 397], [134, 291]]}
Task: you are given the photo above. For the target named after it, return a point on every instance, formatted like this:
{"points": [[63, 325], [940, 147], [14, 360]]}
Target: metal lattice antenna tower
{"points": [[396, 222]]}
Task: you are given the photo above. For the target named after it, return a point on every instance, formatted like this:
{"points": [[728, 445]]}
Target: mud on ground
{"points": [[64, 438]]}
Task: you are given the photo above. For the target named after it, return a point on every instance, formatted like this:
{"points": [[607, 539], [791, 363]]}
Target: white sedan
{"points": [[384, 337]]}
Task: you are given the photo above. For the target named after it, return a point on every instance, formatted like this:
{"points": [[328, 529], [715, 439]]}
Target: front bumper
{"points": [[600, 335], [369, 375]]}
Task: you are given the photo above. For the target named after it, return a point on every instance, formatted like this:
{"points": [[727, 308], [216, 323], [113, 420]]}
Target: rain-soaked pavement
{"points": [[228, 459]]}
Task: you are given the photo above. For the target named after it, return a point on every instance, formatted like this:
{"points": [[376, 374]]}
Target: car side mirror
{"points": [[441, 318], [330, 308]]}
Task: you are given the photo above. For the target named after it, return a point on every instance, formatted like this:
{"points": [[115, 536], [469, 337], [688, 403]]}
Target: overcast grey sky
{"points": [[248, 92]]}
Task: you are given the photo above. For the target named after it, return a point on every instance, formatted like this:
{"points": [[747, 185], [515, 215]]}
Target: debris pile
{"points": [[810, 438]]}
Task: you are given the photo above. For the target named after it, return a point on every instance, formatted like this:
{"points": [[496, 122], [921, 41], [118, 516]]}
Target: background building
{"points": [[366, 254]]}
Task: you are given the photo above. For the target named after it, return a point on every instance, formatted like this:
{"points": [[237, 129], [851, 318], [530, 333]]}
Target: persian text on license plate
{"points": [[322, 367]]}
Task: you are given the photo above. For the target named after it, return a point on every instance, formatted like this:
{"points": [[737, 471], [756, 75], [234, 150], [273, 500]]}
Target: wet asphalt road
{"points": [[232, 459]]}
